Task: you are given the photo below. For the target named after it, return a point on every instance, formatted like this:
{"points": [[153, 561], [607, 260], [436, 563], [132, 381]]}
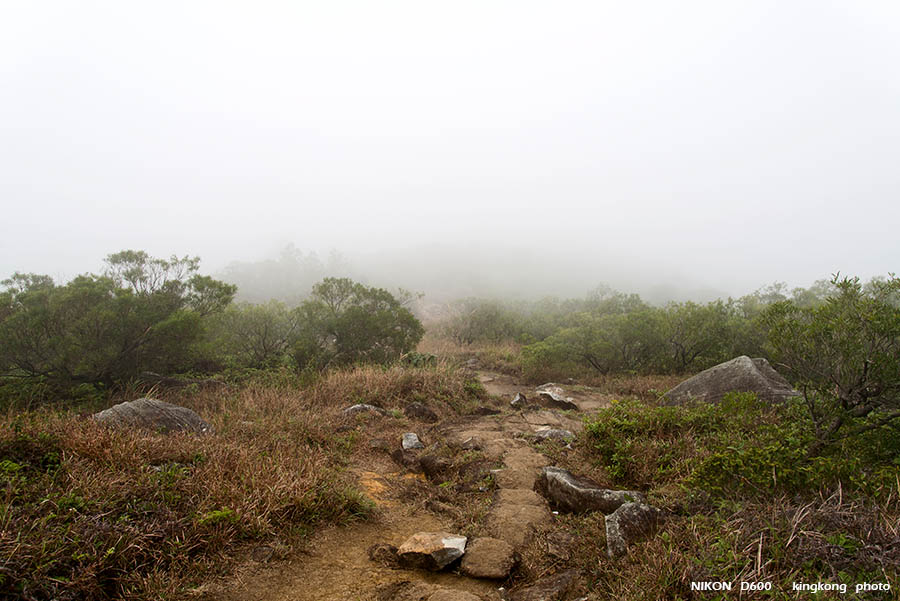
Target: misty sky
{"points": [[721, 145]]}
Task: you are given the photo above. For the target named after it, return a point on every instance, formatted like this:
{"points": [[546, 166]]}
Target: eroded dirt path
{"points": [[337, 566]]}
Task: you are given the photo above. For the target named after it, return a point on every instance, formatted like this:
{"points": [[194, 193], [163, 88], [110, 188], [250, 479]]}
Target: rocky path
{"points": [[339, 565]]}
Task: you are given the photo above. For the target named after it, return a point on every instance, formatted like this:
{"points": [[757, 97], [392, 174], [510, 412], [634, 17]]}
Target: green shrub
{"points": [[740, 446]]}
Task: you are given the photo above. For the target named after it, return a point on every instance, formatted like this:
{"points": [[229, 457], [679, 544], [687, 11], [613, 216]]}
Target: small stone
{"points": [[488, 558], [520, 402], [411, 441]]}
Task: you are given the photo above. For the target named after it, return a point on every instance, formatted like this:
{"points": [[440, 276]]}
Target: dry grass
{"points": [[503, 357], [88, 512]]}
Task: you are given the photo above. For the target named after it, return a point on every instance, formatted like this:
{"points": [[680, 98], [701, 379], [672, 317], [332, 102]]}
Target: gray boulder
{"points": [[741, 374], [629, 524], [431, 550], [154, 415], [580, 495], [553, 396]]}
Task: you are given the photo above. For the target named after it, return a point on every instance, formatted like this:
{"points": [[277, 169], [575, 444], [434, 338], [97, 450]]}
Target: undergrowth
{"points": [[90, 512]]}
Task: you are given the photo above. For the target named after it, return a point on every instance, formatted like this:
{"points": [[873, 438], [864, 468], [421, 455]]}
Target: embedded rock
{"points": [[742, 374], [550, 588], [364, 408], [554, 434], [420, 411], [553, 397], [384, 554], [488, 558], [436, 468], [154, 415], [520, 402], [628, 524], [431, 550], [579, 495]]}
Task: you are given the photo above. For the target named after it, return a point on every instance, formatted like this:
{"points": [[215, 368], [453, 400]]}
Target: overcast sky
{"points": [[723, 144]]}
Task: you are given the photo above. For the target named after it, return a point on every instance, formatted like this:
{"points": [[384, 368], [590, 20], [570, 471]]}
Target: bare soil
{"points": [[335, 563]]}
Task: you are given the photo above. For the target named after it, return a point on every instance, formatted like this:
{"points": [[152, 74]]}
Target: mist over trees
{"points": [[159, 317]]}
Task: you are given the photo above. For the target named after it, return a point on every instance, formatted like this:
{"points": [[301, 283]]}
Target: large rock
{"points": [[550, 588], [553, 396], [742, 374], [155, 415], [627, 525], [579, 495], [431, 550], [488, 558]]}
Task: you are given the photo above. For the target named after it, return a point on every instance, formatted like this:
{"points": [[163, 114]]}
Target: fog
{"points": [[680, 150]]}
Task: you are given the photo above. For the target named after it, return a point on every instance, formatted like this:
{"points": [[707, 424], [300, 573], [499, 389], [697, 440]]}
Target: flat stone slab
{"points": [[516, 523], [579, 495], [153, 414], [488, 558], [519, 496]]}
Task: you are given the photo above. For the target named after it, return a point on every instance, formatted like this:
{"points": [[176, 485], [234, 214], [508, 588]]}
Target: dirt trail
{"points": [[338, 566]]}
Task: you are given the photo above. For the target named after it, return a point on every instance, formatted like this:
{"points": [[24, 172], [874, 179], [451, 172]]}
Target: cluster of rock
{"points": [[629, 518], [435, 551], [550, 396]]}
